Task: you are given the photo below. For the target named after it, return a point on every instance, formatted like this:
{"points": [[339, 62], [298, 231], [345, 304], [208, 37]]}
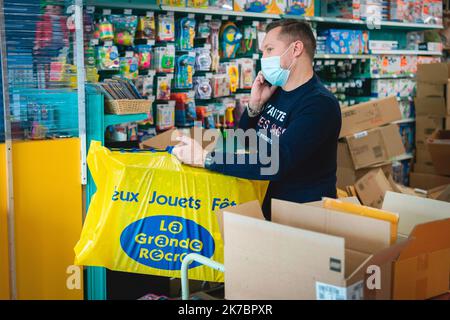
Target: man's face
{"points": [[276, 45]]}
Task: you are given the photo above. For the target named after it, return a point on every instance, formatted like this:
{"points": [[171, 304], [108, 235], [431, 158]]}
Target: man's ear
{"points": [[298, 48]]}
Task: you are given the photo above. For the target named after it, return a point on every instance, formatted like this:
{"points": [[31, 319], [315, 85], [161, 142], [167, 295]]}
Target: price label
{"points": [[108, 43], [151, 42], [94, 42], [269, 20], [106, 12], [129, 54], [255, 23], [239, 18], [127, 11], [224, 17], [255, 56], [208, 17], [191, 16], [90, 9], [150, 14]]}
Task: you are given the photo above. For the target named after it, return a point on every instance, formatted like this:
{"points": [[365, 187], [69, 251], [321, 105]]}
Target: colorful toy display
{"points": [[197, 4], [300, 7], [129, 67], [230, 38], [221, 4], [385, 65], [202, 87], [172, 3], [146, 27], [341, 41], [108, 58], [203, 30], [261, 6], [247, 73], [144, 56], [164, 59], [185, 113], [165, 116], [231, 69], [166, 27], [220, 85], [248, 42], [184, 71], [124, 29], [144, 84], [203, 59], [163, 87], [185, 33]]}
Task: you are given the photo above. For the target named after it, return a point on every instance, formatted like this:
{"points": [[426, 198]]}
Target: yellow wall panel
{"points": [[48, 213], [4, 262]]}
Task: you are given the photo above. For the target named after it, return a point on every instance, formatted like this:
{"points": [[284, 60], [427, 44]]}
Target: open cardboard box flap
{"points": [[344, 244], [206, 137]]}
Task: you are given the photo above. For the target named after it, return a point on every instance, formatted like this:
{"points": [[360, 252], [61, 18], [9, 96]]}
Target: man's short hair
{"points": [[293, 30]]}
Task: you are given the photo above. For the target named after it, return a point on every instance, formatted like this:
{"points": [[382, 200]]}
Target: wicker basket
{"points": [[128, 106]]}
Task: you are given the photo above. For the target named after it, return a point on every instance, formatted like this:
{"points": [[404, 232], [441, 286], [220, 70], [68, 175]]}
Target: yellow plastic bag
{"points": [[149, 211]]}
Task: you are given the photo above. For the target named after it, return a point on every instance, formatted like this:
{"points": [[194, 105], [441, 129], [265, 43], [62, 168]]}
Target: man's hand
{"points": [[190, 152], [261, 92]]}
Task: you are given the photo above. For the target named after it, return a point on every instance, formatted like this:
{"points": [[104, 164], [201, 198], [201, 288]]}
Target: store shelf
{"points": [[218, 12], [341, 56], [408, 52], [114, 119], [405, 156], [368, 25], [392, 76], [408, 120], [123, 5]]}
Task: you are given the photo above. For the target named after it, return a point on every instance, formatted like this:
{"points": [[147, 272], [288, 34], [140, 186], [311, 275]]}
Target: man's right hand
{"points": [[261, 92]]}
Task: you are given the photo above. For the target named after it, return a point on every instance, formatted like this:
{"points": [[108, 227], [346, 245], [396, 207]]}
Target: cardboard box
{"points": [[423, 156], [372, 187], [439, 146], [425, 89], [369, 115], [427, 181], [375, 146], [344, 246], [430, 106], [423, 269], [447, 123], [424, 168], [426, 125], [437, 73], [346, 173], [448, 97], [208, 138]]}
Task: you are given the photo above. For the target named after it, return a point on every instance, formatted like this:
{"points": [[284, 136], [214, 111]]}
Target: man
{"points": [[289, 101]]}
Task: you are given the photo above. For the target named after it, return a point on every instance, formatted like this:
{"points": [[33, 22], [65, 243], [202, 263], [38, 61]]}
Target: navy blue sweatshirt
{"points": [[307, 122]]}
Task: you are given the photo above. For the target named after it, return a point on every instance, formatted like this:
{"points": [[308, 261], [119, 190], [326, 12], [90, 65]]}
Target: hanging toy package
{"points": [[185, 33], [184, 71], [203, 58], [203, 30], [124, 29], [107, 57], [105, 30], [221, 4], [144, 56], [185, 113], [172, 3], [230, 38], [163, 87], [247, 73], [248, 42], [166, 27], [214, 43], [165, 116], [165, 59], [146, 27], [202, 87], [129, 66], [232, 70], [202, 4]]}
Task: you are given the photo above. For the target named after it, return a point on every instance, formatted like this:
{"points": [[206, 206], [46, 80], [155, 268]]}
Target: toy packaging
{"points": [[231, 69], [406, 10], [165, 116], [247, 73], [406, 109], [144, 84], [124, 29], [230, 40], [203, 30], [146, 130], [261, 6], [407, 134], [129, 67], [166, 27], [385, 65], [185, 113], [220, 85], [185, 33], [107, 58], [202, 87], [248, 42], [164, 59], [105, 30], [203, 58], [146, 27], [172, 3], [184, 71], [432, 11], [163, 84], [221, 4], [203, 4], [300, 7], [143, 53], [341, 41]]}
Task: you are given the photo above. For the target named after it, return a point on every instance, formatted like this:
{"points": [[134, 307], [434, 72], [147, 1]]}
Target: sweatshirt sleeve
{"points": [[246, 122], [307, 131]]}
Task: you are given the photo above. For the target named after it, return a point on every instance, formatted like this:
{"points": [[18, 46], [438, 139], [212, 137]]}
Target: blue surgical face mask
{"points": [[273, 72]]}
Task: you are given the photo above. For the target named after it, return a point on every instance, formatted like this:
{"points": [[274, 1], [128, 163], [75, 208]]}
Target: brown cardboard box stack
{"points": [[432, 104], [369, 141]]}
